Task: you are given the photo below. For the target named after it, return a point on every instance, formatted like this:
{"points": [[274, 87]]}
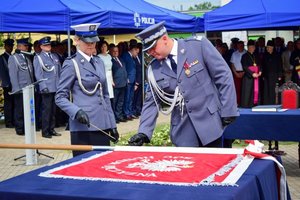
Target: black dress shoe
{"points": [[129, 118], [54, 133], [134, 117], [9, 126], [20, 133], [122, 120], [46, 135]]}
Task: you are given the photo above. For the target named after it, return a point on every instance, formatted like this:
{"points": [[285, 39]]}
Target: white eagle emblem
{"points": [[162, 165]]}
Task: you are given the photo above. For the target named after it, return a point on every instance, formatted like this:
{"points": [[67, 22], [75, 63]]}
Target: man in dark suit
{"points": [[138, 87], [120, 82], [128, 58], [6, 84], [192, 78]]}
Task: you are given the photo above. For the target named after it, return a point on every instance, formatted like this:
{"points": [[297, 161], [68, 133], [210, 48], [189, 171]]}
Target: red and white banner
{"points": [[172, 168], [167, 165]]}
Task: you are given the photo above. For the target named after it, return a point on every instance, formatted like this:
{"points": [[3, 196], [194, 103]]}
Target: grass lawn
{"points": [[161, 138]]}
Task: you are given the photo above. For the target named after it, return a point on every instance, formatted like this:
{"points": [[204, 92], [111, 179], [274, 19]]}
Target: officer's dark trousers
{"points": [[128, 100], [19, 114], [137, 101], [38, 110], [48, 113], [88, 138], [8, 107], [119, 95]]}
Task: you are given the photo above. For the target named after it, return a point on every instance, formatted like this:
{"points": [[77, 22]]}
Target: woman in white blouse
{"points": [[108, 67]]}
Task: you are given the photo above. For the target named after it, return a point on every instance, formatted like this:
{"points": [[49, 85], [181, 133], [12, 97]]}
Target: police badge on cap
{"points": [[45, 41], [150, 35], [87, 32]]}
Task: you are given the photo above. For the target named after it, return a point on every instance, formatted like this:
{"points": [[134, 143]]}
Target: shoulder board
{"points": [[154, 59], [70, 57], [195, 38]]}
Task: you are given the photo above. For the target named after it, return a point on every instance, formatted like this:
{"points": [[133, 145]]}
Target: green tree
{"points": [[203, 6]]}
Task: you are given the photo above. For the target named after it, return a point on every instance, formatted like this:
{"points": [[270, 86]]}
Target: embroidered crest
{"points": [[92, 27], [162, 165]]}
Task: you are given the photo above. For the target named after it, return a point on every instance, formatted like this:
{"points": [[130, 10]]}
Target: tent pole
{"points": [[69, 43], [143, 78]]}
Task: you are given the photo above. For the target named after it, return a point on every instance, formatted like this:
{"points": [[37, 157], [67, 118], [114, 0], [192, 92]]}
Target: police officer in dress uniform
{"points": [[47, 66], [21, 74], [6, 84], [192, 77], [83, 75]]}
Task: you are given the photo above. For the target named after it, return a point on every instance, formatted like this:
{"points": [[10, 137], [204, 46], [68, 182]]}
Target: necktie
{"points": [[117, 59], [49, 54], [93, 63], [173, 63]]}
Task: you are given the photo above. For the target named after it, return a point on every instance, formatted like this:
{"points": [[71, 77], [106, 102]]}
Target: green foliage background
{"points": [[160, 137]]}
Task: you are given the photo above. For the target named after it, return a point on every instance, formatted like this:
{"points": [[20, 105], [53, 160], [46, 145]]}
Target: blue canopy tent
{"points": [[115, 16], [33, 16], [136, 15], [255, 14]]}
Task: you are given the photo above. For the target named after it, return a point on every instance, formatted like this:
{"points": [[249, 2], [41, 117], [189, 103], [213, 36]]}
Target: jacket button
{"points": [[190, 111], [186, 101], [179, 81]]}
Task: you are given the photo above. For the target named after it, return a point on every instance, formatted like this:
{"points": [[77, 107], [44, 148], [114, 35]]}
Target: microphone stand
{"points": [[29, 122]]}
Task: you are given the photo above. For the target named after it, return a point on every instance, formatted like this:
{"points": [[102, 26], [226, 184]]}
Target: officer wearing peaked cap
{"points": [[47, 66], [84, 76], [21, 74], [192, 78], [6, 84]]}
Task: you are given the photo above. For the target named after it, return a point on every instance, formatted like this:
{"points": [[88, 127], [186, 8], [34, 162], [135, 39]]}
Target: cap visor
{"points": [[46, 43], [149, 45], [90, 39]]}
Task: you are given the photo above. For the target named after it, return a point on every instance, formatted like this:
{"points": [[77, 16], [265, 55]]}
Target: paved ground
{"points": [[10, 168]]}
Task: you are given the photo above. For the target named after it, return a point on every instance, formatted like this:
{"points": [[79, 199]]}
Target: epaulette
{"points": [[70, 57], [153, 59], [195, 37]]}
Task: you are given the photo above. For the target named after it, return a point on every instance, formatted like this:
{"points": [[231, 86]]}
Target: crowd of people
{"points": [[123, 74], [259, 68]]}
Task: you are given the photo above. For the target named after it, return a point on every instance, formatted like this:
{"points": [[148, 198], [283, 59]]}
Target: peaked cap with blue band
{"points": [[150, 35], [87, 32], [23, 41], [45, 41]]}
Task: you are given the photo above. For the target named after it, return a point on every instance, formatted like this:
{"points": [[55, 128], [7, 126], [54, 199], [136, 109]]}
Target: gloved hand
{"points": [[227, 120], [114, 133], [45, 90], [82, 117], [138, 139]]}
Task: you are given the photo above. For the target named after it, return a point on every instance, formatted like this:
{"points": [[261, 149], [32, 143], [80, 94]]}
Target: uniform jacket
{"points": [[4, 75], [40, 73], [130, 66], [208, 92], [119, 73], [20, 71], [97, 108]]}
